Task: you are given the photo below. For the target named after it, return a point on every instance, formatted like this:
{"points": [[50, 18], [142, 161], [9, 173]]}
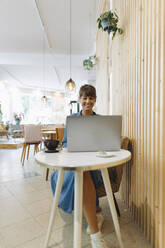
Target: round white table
{"points": [[79, 162]]}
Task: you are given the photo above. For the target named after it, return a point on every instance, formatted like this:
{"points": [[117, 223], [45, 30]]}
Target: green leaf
{"points": [[120, 31]]}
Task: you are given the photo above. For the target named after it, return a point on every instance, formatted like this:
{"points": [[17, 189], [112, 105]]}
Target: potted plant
{"points": [[108, 22], [89, 63], [18, 118]]}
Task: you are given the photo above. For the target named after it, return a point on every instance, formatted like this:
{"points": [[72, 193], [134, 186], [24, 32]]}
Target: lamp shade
{"points": [[70, 86], [44, 99]]}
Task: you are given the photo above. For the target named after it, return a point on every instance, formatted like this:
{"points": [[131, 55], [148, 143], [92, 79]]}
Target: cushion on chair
{"points": [[115, 173], [32, 134]]}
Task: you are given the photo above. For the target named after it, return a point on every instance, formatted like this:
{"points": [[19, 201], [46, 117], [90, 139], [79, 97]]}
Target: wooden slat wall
{"points": [[138, 79]]}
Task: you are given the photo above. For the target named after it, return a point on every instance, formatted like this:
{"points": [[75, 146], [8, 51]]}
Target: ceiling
{"points": [[35, 42]]}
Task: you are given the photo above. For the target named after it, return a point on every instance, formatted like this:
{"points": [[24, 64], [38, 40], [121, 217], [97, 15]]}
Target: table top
{"points": [[4, 131], [17, 131], [48, 132], [85, 160]]}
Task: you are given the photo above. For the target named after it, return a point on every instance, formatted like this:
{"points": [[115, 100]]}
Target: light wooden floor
{"points": [[25, 202]]}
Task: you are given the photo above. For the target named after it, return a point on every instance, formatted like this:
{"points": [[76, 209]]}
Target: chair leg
{"points": [[116, 205], [22, 152], [28, 152], [23, 159], [47, 174], [37, 150]]}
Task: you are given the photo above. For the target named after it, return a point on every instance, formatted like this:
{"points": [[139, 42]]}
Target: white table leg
{"points": [[78, 200], [54, 206], [109, 193]]}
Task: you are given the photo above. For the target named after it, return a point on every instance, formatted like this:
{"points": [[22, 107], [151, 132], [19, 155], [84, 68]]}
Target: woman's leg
{"points": [[89, 202]]}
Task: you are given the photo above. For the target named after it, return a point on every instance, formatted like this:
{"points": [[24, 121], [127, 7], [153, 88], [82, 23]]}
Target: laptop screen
{"points": [[93, 133]]}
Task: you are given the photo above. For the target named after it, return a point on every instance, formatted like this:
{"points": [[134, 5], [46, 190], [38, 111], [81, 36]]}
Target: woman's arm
{"points": [[64, 141]]}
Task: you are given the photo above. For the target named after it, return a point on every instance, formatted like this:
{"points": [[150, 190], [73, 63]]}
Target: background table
{"points": [[51, 133], [80, 162]]}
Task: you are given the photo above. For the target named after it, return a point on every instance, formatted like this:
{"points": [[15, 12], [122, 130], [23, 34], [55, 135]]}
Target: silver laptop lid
{"points": [[93, 133]]}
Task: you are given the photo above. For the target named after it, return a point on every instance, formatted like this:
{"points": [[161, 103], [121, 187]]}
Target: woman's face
{"points": [[87, 103]]}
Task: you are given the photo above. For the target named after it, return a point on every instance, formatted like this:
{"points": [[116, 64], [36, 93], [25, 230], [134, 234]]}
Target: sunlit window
{"points": [[28, 104]]}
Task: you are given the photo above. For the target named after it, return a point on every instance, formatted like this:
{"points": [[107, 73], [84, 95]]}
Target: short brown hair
{"points": [[87, 90]]}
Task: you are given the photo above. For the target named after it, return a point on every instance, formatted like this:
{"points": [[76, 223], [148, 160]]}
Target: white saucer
{"points": [[103, 154]]}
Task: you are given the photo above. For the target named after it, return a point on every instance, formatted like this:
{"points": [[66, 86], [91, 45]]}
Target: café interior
{"points": [[48, 50]]}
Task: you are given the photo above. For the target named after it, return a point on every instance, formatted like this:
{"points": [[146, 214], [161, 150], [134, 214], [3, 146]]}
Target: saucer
{"points": [[51, 151], [103, 154]]}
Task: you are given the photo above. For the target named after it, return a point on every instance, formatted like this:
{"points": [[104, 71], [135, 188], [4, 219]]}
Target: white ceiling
{"points": [[23, 61]]}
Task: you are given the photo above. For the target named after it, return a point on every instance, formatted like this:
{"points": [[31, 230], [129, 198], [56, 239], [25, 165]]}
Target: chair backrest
{"points": [[32, 133], [60, 134]]}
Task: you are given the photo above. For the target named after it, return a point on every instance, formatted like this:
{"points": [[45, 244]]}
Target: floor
{"points": [[25, 202]]}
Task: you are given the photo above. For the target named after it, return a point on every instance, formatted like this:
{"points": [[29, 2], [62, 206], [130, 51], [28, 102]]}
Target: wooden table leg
{"points": [[47, 174], [54, 206], [78, 200], [109, 193]]}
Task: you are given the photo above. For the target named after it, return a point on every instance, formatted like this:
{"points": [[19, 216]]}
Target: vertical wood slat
{"points": [[139, 71], [162, 121], [145, 112]]}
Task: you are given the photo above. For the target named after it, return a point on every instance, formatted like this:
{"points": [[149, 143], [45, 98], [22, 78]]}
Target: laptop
{"points": [[94, 133]]}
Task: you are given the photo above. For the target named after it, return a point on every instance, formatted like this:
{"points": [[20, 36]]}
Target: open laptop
{"points": [[93, 133]]}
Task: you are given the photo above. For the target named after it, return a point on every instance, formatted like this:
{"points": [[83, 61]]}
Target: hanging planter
{"points": [[108, 22], [89, 63]]}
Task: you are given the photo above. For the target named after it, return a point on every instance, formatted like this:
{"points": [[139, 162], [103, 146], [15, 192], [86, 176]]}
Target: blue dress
{"points": [[66, 201]]}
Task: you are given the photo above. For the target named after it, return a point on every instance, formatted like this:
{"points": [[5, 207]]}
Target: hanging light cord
{"points": [[70, 48], [44, 62]]}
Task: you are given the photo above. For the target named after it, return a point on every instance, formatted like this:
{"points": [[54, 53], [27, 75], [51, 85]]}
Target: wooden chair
{"points": [[32, 135], [115, 175], [60, 135], [4, 131]]}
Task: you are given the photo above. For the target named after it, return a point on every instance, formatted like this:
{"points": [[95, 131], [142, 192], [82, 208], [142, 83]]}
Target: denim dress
{"points": [[66, 201]]}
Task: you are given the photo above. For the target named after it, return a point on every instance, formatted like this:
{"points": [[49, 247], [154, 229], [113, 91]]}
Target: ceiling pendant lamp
{"points": [[44, 99], [70, 86]]}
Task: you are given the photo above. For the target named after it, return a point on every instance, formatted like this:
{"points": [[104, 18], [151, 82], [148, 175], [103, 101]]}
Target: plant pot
{"points": [[17, 122], [104, 23]]}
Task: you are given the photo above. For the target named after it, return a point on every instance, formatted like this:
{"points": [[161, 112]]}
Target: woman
{"points": [[92, 179]]}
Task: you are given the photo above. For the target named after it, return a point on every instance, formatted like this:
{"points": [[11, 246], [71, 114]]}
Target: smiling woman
{"points": [[91, 180], [87, 98]]}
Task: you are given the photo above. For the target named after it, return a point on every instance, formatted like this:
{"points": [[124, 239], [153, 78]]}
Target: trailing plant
{"points": [[89, 63], [108, 22]]}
